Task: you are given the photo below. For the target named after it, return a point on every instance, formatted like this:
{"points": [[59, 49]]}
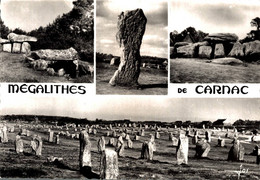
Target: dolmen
{"points": [[236, 152], [59, 62], [16, 43]]}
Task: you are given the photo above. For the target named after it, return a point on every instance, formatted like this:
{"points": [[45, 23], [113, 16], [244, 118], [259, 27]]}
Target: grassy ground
{"points": [[152, 81], [14, 69], [199, 71], [163, 166]]}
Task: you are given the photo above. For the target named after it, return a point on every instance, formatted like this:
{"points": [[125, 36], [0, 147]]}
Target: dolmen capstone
{"points": [[131, 28], [109, 164], [182, 150], [36, 145], [202, 149], [101, 144], [120, 146], [85, 150], [18, 144], [148, 148], [236, 152]]}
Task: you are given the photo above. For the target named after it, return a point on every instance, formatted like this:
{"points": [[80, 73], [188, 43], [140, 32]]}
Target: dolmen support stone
{"points": [[131, 28], [109, 164], [236, 152], [85, 150], [182, 150]]}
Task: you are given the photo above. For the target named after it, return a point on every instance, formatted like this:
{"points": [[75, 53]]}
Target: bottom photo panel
{"points": [[130, 138]]}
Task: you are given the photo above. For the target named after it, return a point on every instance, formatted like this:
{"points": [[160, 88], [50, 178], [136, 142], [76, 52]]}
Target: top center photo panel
{"points": [[132, 47]]}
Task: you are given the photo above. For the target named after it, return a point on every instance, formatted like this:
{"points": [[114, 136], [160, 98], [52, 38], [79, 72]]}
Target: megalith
{"points": [[131, 28], [18, 144], [85, 150], [101, 144], [202, 149], [109, 164], [182, 149], [120, 146], [36, 145], [236, 152]]}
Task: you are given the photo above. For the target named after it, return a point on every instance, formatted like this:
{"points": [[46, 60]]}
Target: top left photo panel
{"points": [[47, 41]]}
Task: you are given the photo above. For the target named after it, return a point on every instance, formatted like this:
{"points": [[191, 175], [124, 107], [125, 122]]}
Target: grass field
{"points": [[188, 70], [163, 166], [152, 81], [14, 69]]}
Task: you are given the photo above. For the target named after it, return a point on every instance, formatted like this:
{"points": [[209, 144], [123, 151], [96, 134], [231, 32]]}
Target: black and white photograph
{"points": [[152, 138], [214, 41], [47, 41], [132, 47]]}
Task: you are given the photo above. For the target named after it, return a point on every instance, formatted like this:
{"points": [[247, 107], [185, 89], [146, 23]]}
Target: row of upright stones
{"points": [[218, 45], [109, 154]]}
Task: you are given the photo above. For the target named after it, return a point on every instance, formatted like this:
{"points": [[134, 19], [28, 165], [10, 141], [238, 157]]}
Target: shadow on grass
{"points": [[21, 172], [148, 86]]}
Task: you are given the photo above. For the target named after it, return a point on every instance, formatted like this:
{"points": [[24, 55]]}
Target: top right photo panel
{"points": [[214, 41]]}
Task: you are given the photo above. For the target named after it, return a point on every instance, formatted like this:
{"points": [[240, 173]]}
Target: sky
{"points": [[215, 16], [136, 108], [31, 14], [155, 39]]}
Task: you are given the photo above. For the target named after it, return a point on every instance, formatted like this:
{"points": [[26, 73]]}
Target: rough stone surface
{"points": [[202, 149], [236, 152], [187, 51], [4, 139], [221, 37], [26, 48], [50, 139], [120, 146], [109, 164], [147, 149], [20, 38], [16, 48], [85, 150], [18, 144], [131, 28], [182, 150], [219, 51], [227, 61], [55, 55], [174, 141], [7, 47], [101, 144], [252, 48], [36, 145], [237, 50], [205, 51], [40, 65]]}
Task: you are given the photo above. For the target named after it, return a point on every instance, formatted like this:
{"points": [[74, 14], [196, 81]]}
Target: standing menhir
{"points": [[120, 146], [148, 148], [5, 138], [182, 149], [85, 147], [202, 149], [131, 28], [236, 152], [18, 144], [36, 145], [109, 164], [101, 144]]}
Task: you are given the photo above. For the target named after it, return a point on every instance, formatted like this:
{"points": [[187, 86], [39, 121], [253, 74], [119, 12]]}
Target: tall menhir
{"points": [[131, 28]]}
